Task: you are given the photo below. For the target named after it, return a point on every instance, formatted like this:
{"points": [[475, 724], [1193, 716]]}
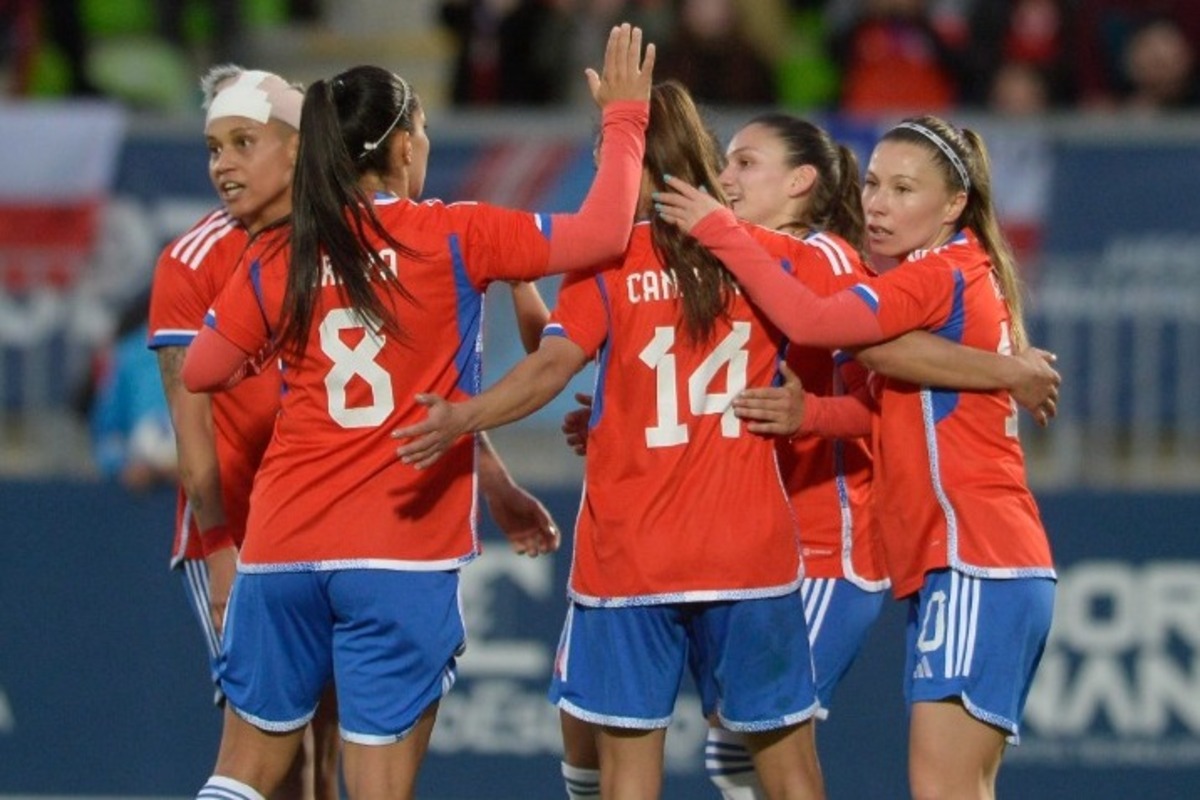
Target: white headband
{"points": [[404, 100], [942, 145], [259, 96]]}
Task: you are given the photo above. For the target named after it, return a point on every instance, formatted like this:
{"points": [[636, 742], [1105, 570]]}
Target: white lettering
{"points": [[1098, 608], [515, 658], [1122, 656], [8, 722], [644, 287]]}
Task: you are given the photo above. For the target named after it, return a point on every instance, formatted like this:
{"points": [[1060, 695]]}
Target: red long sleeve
{"points": [[841, 320], [844, 416], [213, 363], [599, 230]]}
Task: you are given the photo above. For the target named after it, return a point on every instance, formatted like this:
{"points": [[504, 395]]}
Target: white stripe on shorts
{"points": [[817, 594], [195, 578], [962, 620]]}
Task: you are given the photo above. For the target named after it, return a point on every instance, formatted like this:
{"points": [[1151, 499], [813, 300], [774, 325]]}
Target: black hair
{"points": [[836, 204], [345, 128]]}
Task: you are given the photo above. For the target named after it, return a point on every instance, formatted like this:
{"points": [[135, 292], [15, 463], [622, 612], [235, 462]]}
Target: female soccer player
{"points": [[349, 568], [250, 129], [961, 534], [784, 173], [675, 553]]}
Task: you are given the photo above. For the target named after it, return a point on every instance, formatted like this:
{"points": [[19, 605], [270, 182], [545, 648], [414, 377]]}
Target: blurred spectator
{"points": [[132, 437], [1019, 89], [1034, 34], [18, 41], [1160, 71], [475, 27], [62, 24], [1105, 27], [892, 59], [806, 75], [710, 54], [224, 39], [536, 41], [594, 19]]}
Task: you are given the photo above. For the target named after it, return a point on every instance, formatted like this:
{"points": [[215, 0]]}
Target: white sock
{"points": [[582, 783], [730, 767], [219, 788]]}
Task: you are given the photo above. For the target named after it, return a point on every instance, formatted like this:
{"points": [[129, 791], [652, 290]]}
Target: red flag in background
{"points": [[56, 172]]}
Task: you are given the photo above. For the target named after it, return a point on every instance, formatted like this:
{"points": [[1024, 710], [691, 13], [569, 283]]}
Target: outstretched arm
{"points": [[923, 358], [528, 386], [788, 410], [840, 320], [599, 231]]}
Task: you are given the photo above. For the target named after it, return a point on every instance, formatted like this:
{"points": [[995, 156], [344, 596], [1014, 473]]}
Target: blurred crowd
{"points": [[855, 56]]}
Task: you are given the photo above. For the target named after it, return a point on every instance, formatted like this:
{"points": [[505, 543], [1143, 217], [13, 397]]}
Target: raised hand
{"points": [[627, 75]]}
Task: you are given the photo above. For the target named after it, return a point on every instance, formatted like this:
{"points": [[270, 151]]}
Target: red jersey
{"points": [[829, 479], [190, 273], [331, 493], [680, 502], [951, 489]]}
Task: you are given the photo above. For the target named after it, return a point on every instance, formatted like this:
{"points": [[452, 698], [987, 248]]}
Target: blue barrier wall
{"points": [[103, 690]]}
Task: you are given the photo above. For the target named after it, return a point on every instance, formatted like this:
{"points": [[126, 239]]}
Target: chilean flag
{"points": [[56, 172]]}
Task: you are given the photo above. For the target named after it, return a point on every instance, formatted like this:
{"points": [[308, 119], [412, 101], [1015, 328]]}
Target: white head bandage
{"points": [[405, 99], [945, 147], [259, 96]]}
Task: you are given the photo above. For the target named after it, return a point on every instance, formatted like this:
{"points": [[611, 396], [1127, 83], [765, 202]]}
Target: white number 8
{"points": [[351, 361]]}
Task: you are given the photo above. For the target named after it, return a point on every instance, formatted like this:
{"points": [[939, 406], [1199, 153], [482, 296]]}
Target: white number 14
{"points": [[730, 352]]}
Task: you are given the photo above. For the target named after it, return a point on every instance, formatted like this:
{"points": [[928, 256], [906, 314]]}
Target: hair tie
{"points": [[944, 146], [404, 101]]}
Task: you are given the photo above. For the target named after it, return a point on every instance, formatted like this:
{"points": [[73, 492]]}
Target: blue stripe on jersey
{"points": [[781, 356], [174, 339], [468, 359], [554, 329], [944, 401], [543, 224], [603, 358], [782, 350], [841, 357], [210, 318], [868, 296]]}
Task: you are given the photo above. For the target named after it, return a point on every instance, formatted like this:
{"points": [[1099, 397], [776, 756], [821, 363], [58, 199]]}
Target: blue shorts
{"points": [[623, 666], [839, 616], [978, 640], [387, 638]]}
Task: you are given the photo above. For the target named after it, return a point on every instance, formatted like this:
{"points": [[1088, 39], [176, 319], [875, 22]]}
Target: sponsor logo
{"points": [[499, 706], [1119, 683]]}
